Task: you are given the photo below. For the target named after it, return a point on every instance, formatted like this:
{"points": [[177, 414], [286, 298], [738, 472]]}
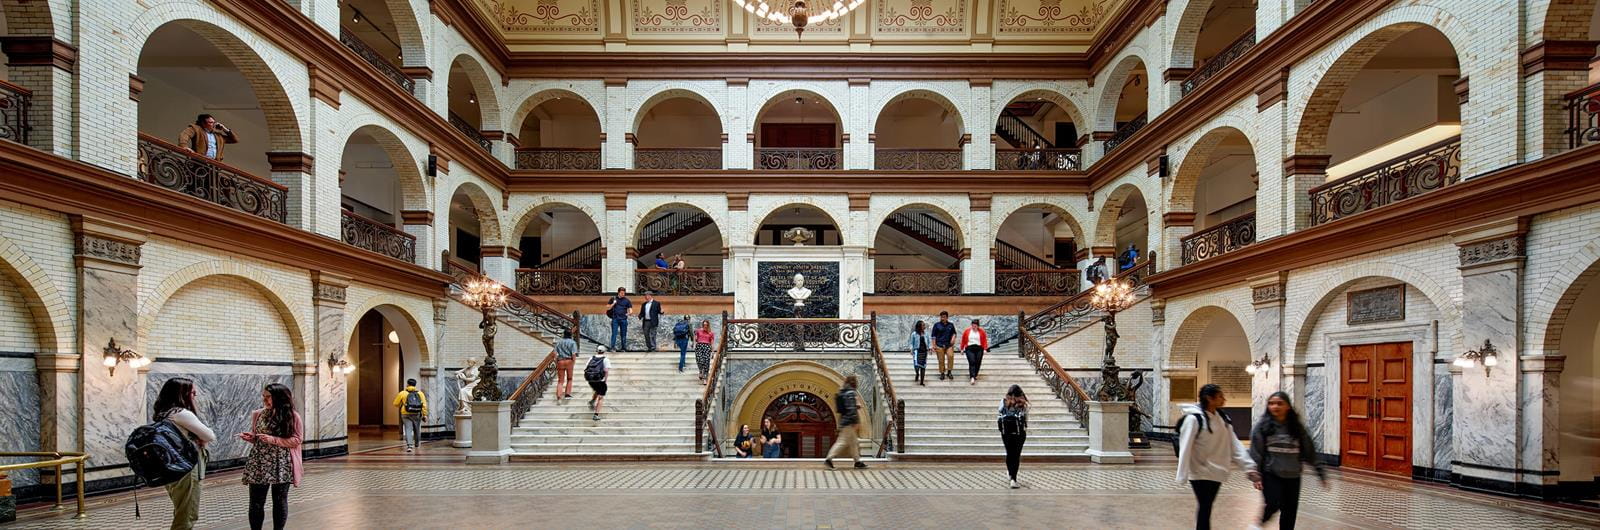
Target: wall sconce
{"points": [[1488, 356], [340, 366], [116, 355], [1258, 366]]}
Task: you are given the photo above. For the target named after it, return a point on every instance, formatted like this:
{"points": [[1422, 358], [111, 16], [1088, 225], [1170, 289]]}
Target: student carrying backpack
{"points": [[595, 373], [680, 337]]}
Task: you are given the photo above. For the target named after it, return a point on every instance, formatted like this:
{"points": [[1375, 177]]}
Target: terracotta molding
{"points": [[1461, 90], [859, 201], [616, 81], [1101, 136], [750, 137], [857, 69], [1171, 219], [738, 81], [324, 87], [724, 137], [872, 138], [965, 254], [1156, 164], [493, 135], [1568, 55], [290, 162], [41, 50], [616, 200], [1272, 90], [980, 202], [980, 82], [511, 253], [1120, 29], [630, 138], [478, 31], [1305, 165], [738, 202], [1103, 252], [135, 87], [1176, 74], [966, 138], [756, 180], [858, 81], [423, 73], [512, 139], [1081, 254], [416, 217], [631, 253]]}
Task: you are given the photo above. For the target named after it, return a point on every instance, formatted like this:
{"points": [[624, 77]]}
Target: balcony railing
{"points": [[677, 157], [917, 281], [1583, 117], [472, 132], [559, 281], [14, 103], [389, 70], [1229, 236], [1037, 159], [189, 173], [678, 281], [801, 158], [925, 159], [1216, 63], [1416, 173], [1126, 131], [364, 233], [1036, 282], [558, 158]]}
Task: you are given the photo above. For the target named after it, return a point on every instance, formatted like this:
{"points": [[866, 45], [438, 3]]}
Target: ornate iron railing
{"points": [[526, 310], [1010, 256], [1583, 116], [1126, 131], [1226, 237], [14, 103], [1018, 132], [472, 133], [1036, 282], [677, 158], [894, 411], [558, 158], [559, 281], [1216, 63], [916, 281], [1065, 387], [799, 334], [189, 173], [1416, 173], [678, 281], [1067, 313], [930, 228], [797, 158], [704, 418], [1069, 159], [350, 40], [528, 393], [580, 257], [364, 233], [912, 159]]}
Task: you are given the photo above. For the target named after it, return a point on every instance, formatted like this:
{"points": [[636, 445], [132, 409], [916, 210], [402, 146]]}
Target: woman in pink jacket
{"points": [[274, 460]]}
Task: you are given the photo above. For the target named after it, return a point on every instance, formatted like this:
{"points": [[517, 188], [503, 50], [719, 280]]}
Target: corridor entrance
{"points": [[806, 423], [1375, 429]]}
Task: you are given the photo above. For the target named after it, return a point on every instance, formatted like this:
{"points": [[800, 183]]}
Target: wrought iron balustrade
{"points": [[1223, 238], [924, 159], [14, 103], [1036, 282], [677, 158], [389, 70], [532, 388], [797, 158], [1583, 116], [916, 281], [1069, 312], [1065, 387], [559, 281], [1009, 256], [364, 233], [1126, 131], [472, 132], [892, 407], [190, 173], [1416, 173], [799, 334], [585, 256], [558, 158], [1038, 159], [1018, 133], [930, 228], [526, 310], [678, 281], [1216, 63]]}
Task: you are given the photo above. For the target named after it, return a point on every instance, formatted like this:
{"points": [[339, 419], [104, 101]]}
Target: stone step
{"points": [[940, 425], [591, 427], [601, 448], [603, 439], [997, 447], [966, 392], [989, 408]]}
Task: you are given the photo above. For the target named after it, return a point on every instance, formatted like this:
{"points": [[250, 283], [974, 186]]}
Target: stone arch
{"points": [[1548, 311], [413, 46], [1068, 214], [488, 214], [268, 83], [408, 176], [673, 91], [391, 306], [1047, 93], [1106, 114], [770, 92], [537, 207], [1305, 316], [1105, 229], [758, 217], [49, 309], [482, 85], [1186, 180], [1185, 343], [962, 224], [778, 96], [929, 94], [549, 94], [25, 18], [267, 286], [826, 383], [637, 219], [1563, 20], [1186, 33]]}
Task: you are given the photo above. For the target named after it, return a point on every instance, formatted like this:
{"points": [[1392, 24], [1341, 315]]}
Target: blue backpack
{"points": [[680, 331], [160, 454]]}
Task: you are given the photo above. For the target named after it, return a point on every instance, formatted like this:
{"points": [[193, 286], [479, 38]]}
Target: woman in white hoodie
{"points": [[1206, 445], [175, 403]]}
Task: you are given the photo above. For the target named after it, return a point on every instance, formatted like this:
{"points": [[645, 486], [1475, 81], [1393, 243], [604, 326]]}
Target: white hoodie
{"points": [[1204, 455]]}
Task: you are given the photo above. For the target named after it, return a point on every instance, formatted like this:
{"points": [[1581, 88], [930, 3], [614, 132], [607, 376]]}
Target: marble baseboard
{"points": [[19, 420]]}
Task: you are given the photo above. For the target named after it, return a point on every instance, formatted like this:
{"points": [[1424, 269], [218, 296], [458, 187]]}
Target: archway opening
{"points": [[467, 99], [918, 131], [1221, 354], [371, 200], [22, 340], [385, 352], [1227, 31], [805, 424], [917, 251], [1035, 253], [1132, 105], [560, 133], [378, 34], [561, 252], [679, 251], [679, 132], [798, 130], [1220, 188], [1036, 134], [784, 224], [1132, 236], [187, 74], [1578, 442], [466, 230]]}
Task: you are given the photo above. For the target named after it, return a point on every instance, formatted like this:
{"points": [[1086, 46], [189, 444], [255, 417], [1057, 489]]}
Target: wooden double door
{"points": [[1375, 430], [806, 422]]}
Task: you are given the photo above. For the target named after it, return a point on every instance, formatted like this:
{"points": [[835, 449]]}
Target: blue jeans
{"points": [[683, 352], [619, 334]]}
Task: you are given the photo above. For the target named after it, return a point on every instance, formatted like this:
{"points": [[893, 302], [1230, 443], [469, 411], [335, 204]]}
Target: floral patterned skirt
{"points": [[267, 463]]}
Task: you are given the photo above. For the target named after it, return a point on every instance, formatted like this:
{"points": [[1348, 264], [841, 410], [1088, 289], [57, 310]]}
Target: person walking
{"points": [[650, 317], [413, 405], [974, 342], [596, 373], [680, 337], [944, 334], [175, 403], [273, 463], [848, 403], [1206, 445], [702, 349], [771, 439], [617, 308], [1013, 422], [744, 445], [1280, 448], [566, 355], [919, 352]]}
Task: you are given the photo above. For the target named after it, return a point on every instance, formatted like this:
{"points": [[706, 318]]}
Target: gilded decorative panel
{"points": [[544, 16], [921, 16], [679, 17], [1056, 17]]}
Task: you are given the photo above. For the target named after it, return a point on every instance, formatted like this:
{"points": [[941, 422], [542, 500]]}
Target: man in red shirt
{"points": [[974, 342]]}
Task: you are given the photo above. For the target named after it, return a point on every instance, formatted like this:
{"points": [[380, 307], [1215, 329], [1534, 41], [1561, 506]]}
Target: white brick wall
{"points": [[220, 317]]}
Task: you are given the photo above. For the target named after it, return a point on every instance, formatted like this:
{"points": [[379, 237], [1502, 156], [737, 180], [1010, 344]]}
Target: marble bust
{"points": [[799, 292], [468, 377]]}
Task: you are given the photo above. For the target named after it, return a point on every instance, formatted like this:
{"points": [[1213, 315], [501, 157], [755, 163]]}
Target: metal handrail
{"points": [[897, 406], [57, 460], [590, 251], [1021, 257], [527, 394], [703, 424], [1015, 121], [1065, 387], [1241, 228]]}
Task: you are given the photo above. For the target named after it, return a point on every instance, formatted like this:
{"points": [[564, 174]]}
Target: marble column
{"points": [[1488, 414], [60, 382], [331, 407], [1161, 393], [1541, 422], [1266, 339], [107, 258]]}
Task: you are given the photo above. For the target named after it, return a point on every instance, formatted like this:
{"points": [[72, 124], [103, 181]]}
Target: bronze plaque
{"points": [[1382, 304]]}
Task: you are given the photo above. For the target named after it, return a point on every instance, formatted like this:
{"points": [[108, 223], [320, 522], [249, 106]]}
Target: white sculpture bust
{"points": [[799, 292], [468, 376]]}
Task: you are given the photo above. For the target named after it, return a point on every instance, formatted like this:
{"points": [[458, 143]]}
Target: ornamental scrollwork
{"points": [[1052, 18], [93, 246], [1490, 251]]}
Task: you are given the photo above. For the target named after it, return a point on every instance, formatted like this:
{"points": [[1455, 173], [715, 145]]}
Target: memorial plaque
{"points": [[1383, 304], [776, 289]]}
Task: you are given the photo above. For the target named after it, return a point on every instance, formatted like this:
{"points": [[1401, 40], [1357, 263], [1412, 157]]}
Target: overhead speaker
{"points": [[433, 165]]}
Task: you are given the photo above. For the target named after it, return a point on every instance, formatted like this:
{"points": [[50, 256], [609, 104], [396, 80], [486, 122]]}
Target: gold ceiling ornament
{"points": [[798, 12]]}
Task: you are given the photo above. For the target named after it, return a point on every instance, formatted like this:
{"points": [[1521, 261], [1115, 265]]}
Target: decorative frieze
{"points": [[330, 293], [1158, 311], [1267, 294], [1381, 304], [329, 288], [1490, 251], [115, 250]]}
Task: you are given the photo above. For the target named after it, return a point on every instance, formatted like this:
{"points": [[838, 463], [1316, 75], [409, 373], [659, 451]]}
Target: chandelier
{"points": [[1112, 295], [798, 12]]}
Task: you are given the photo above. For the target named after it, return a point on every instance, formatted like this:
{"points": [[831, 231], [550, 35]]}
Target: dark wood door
{"points": [[1376, 407], [806, 423], [797, 135]]}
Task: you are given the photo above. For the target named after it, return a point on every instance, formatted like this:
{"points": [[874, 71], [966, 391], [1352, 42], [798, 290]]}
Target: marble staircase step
{"points": [[993, 448], [601, 448], [601, 428], [586, 439]]}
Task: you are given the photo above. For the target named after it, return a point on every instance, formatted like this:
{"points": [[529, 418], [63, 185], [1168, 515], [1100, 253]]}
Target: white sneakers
{"points": [[1015, 484]]}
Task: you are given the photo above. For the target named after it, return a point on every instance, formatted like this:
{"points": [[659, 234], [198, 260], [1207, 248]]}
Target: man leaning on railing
{"points": [[206, 136]]}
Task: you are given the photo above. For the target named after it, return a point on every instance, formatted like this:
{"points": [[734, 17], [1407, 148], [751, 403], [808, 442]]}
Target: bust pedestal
{"points": [[1108, 432], [463, 431], [491, 432]]}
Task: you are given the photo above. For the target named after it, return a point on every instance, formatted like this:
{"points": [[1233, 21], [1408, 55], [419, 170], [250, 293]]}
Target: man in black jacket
{"points": [[849, 405], [650, 316]]}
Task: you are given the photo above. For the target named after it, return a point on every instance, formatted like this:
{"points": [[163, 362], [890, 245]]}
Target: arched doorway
{"points": [[471, 104], [1035, 252], [1210, 36], [1212, 341], [798, 129], [1124, 226], [1578, 442], [917, 251], [561, 251], [918, 130], [1216, 182], [385, 352], [1038, 131], [678, 131], [375, 187], [805, 422], [560, 131], [674, 235], [1128, 100], [384, 33]]}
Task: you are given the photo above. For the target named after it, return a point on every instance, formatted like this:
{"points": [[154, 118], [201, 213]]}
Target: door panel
{"points": [[1356, 438], [1394, 395], [1376, 407]]}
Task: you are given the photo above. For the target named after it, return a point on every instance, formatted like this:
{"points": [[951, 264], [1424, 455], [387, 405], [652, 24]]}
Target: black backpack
{"points": [[595, 371], [160, 454], [1177, 439], [413, 402]]}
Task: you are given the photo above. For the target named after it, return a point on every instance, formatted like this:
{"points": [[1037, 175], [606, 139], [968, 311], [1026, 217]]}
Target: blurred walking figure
{"points": [[919, 353], [848, 403], [1281, 448], [1013, 423]]}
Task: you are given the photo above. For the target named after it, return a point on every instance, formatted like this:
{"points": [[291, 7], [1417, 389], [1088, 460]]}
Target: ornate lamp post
{"points": [[1112, 295], [484, 293]]}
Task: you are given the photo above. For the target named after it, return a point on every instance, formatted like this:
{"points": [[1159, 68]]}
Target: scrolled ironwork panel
{"points": [[677, 158], [917, 282], [1218, 62], [1583, 117], [471, 132], [799, 335], [557, 158], [376, 59], [1417, 173], [1229, 236], [1126, 131], [1059, 381], [14, 103], [364, 233], [678, 281], [1037, 159], [558, 281], [185, 172], [798, 158], [914, 159], [1036, 282], [532, 389]]}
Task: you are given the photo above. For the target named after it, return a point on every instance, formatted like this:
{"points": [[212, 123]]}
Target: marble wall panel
{"points": [[443, 398], [1443, 417], [19, 419], [111, 403], [1315, 418], [894, 331], [1144, 398], [227, 395]]}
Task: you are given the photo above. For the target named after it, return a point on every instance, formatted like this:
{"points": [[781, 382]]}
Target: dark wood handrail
{"points": [[1055, 366], [573, 149], [1137, 266], [13, 87], [1384, 164], [527, 270], [549, 359], [1214, 227], [197, 156], [703, 419], [894, 405]]}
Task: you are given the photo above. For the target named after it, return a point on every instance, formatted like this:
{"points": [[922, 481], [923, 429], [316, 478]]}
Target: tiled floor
{"points": [[381, 490]]}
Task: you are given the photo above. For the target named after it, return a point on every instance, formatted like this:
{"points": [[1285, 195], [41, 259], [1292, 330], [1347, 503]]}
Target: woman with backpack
{"points": [[1280, 446], [1206, 447], [274, 460], [680, 336], [702, 348], [175, 404], [919, 353], [1013, 422]]}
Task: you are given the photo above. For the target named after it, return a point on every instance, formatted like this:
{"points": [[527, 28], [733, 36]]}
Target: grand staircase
{"points": [[952, 419], [648, 414]]}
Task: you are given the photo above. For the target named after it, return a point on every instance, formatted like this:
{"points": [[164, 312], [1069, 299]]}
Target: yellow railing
{"points": [[57, 460]]}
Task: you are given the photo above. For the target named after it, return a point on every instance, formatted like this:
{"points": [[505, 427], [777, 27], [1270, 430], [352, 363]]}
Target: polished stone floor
{"points": [[386, 488]]}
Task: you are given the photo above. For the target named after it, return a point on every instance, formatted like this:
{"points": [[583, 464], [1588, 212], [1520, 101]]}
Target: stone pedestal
{"points": [[491, 432], [463, 431], [1108, 432]]}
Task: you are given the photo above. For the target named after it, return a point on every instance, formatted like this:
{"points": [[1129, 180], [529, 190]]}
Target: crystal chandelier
{"points": [[798, 12]]}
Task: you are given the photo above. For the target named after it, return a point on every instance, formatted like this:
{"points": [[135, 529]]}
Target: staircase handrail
{"points": [[528, 393], [1065, 387], [933, 228], [650, 235], [1039, 263], [1077, 305], [592, 247], [1037, 136], [703, 424], [526, 309], [894, 418]]}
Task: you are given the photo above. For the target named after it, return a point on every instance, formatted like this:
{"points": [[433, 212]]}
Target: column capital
{"points": [[328, 289], [1493, 243], [107, 245], [1552, 364], [1268, 289], [1158, 311]]}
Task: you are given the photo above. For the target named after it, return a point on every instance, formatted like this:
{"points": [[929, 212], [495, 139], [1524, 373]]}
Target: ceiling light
{"points": [[394, 337], [797, 12]]}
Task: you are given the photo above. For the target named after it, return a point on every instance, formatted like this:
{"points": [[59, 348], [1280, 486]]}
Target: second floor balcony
{"points": [[365, 233], [1416, 173], [1220, 239], [918, 159], [184, 171], [677, 158], [1038, 159], [14, 103], [553, 158], [799, 158]]}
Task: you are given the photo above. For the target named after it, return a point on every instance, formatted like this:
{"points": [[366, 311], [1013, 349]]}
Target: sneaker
{"points": [[861, 465], [828, 462], [1015, 484], [569, 395], [972, 381], [409, 449], [597, 417]]}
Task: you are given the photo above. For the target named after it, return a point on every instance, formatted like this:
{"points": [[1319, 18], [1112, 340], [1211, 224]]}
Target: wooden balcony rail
{"points": [[1416, 173], [677, 158], [1223, 238], [364, 233], [678, 281], [1583, 116], [389, 70], [559, 281], [558, 158], [1126, 131], [1216, 63], [1037, 159], [1036, 282], [472, 132], [916, 281], [189, 173], [911, 159], [797, 158], [14, 103]]}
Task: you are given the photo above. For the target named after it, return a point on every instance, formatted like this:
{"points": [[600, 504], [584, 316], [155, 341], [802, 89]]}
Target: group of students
{"points": [[1280, 448], [941, 340]]}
